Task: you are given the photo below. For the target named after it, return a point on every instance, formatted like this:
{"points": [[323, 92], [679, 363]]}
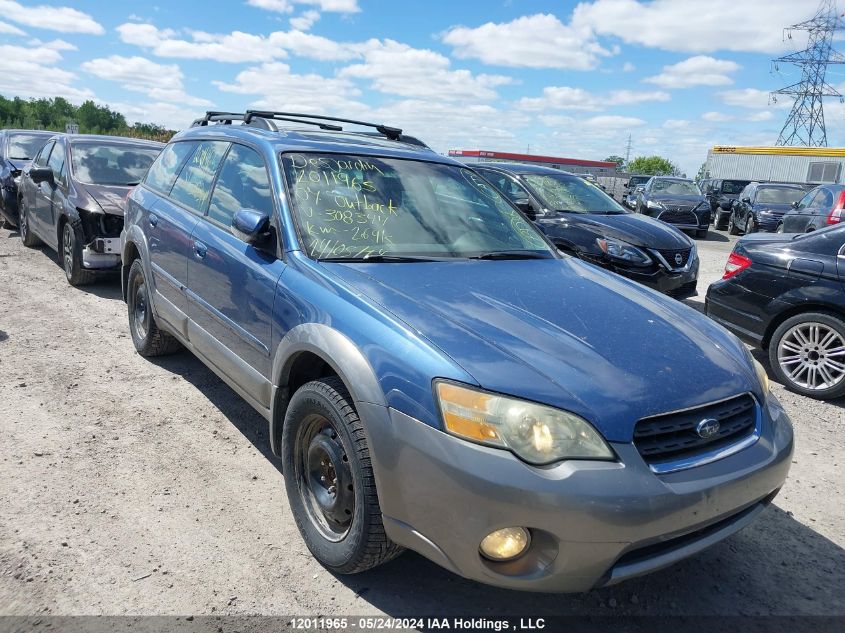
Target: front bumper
{"points": [[592, 523], [680, 283], [102, 253]]}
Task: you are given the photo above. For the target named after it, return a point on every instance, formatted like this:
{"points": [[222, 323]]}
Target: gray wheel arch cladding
{"points": [[134, 238], [337, 351]]}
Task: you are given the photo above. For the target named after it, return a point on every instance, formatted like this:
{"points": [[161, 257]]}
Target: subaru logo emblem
{"points": [[679, 259], [707, 428]]}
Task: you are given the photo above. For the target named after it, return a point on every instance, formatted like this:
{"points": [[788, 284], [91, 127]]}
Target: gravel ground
{"points": [[138, 487]]}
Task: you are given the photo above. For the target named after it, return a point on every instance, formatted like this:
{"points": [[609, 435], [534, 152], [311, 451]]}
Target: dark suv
{"points": [[434, 373], [676, 201], [582, 220], [721, 195], [17, 148]]}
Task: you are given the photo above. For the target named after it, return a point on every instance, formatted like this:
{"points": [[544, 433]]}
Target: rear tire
{"points": [[329, 480], [148, 339], [27, 236], [807, 355], [70, 251], [732, 230]]}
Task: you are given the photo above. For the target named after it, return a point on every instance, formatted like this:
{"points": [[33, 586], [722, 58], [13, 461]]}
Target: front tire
{"points": [[807, 354], [27, 236], [71, 254], [732, 228], [751, 226], [148, 339], [780, 228], [329, 480]]}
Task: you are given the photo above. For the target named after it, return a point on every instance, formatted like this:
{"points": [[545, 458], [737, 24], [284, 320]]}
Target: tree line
{"points": [[55, 114], [650, 165]]}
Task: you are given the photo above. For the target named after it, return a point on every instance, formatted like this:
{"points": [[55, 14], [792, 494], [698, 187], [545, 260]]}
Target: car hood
{"points": [[564, 333], [675, 199], [778, 209], [109, 198], [633, 228]]}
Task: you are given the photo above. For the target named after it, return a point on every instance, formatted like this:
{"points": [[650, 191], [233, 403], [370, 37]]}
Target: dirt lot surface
{"points": [[138, 487]]}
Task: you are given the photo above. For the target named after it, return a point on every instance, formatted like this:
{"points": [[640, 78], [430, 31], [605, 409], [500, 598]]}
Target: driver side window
{"points": [[43, 155]]}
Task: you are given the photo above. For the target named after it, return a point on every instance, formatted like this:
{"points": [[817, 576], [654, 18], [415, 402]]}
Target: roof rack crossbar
{"points": [[393, 133], [273, 115], [213, 116]]}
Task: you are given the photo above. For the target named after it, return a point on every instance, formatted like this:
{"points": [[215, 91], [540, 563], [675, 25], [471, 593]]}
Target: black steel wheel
{"points": [[147, 338], [329, 479]]}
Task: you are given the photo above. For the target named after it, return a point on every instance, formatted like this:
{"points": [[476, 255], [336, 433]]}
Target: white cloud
{"points": [[749, 98], [54, 45], [613, 122], [8, 29], [534, 41], [628, 67], [569, 98], [275, 86], [676, 124], [31, 72], [700, 70], [305, 21], [235, 47], [765, 115], [286, 6], [161, 82], [62, 19], [171, 115], [716, 117], [691, 26], [396, 68]]}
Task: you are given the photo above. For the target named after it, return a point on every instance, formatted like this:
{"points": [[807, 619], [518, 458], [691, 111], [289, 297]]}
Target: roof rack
{"points": [[393, 133], [213, 116]]}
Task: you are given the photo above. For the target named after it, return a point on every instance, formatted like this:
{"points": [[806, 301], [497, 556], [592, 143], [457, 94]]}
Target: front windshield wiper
{"points": [[613, 212], [385, 258], [513, 255]]}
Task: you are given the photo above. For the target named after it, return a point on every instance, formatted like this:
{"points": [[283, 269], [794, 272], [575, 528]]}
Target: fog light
{"points": [[505, 544]]}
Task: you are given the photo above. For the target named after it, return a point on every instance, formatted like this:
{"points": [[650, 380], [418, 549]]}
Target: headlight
{"points": [[622, 251], [535, 433], [651, 204], [762, 376]]}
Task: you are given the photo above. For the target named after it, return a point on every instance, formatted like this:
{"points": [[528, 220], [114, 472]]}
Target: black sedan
{"points": [[72, 196], [821, 207], [580, 219], [17, 147], [786, 294], [721, 195], [676, 201], [761, 206]]}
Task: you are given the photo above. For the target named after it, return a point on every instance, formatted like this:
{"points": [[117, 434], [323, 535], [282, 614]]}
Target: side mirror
{"points": [[639, 189], [524, 205], [746, 199], [251, 226], [794, 205], [41, 174]]}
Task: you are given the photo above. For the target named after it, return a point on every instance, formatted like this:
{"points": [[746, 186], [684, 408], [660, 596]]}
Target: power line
{"points": [[805, 123]]}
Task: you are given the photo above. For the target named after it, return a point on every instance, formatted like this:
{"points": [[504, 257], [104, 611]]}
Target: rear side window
{"points": [[165, 169], [504, 184], [193, 185], [43, 155], [242, 184], [824, 199]]}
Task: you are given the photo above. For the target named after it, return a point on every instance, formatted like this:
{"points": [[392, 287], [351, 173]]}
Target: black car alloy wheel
{"points": [[68, 245]]}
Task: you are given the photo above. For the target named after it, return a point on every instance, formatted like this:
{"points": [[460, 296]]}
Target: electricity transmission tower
{"points": [[805, 123]]}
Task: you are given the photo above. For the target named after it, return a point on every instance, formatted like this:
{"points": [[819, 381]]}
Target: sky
{"points": [[570, 79]]}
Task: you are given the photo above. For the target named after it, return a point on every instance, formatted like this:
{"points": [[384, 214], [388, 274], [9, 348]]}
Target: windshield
{"points": [[734, 186], [676, 188], [117, 165], [356, 207], [778, 195], [560, 192], [25, 146]]}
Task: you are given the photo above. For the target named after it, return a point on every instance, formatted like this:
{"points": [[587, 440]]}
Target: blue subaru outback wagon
{"points": [[435, 375]]}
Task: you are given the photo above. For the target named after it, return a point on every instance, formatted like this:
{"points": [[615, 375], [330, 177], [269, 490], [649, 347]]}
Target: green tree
{"points": [[613, 158], [653, 165]]}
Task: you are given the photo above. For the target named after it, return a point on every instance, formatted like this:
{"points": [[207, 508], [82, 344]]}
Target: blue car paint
{"points": [[557, 331]]}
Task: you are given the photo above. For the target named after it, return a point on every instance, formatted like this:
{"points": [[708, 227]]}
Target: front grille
{"points": [[679, 217], [670, 256], [673, 436]]}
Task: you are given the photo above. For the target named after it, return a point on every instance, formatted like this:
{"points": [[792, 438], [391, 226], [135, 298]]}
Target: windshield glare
{"points": [[355, 207], [111, 164], [25, 146], [779, 195], [676, 188], [572, 194]]}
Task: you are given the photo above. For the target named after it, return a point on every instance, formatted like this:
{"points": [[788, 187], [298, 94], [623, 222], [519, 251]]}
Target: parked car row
{"points": [[435, 372]]}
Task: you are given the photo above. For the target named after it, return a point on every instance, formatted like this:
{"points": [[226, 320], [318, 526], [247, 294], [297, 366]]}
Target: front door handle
{"points": [[200, 249], [153, 219]]}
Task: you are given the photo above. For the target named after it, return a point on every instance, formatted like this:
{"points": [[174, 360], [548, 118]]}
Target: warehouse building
{"points": [[811, 165], [573, 165]]}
